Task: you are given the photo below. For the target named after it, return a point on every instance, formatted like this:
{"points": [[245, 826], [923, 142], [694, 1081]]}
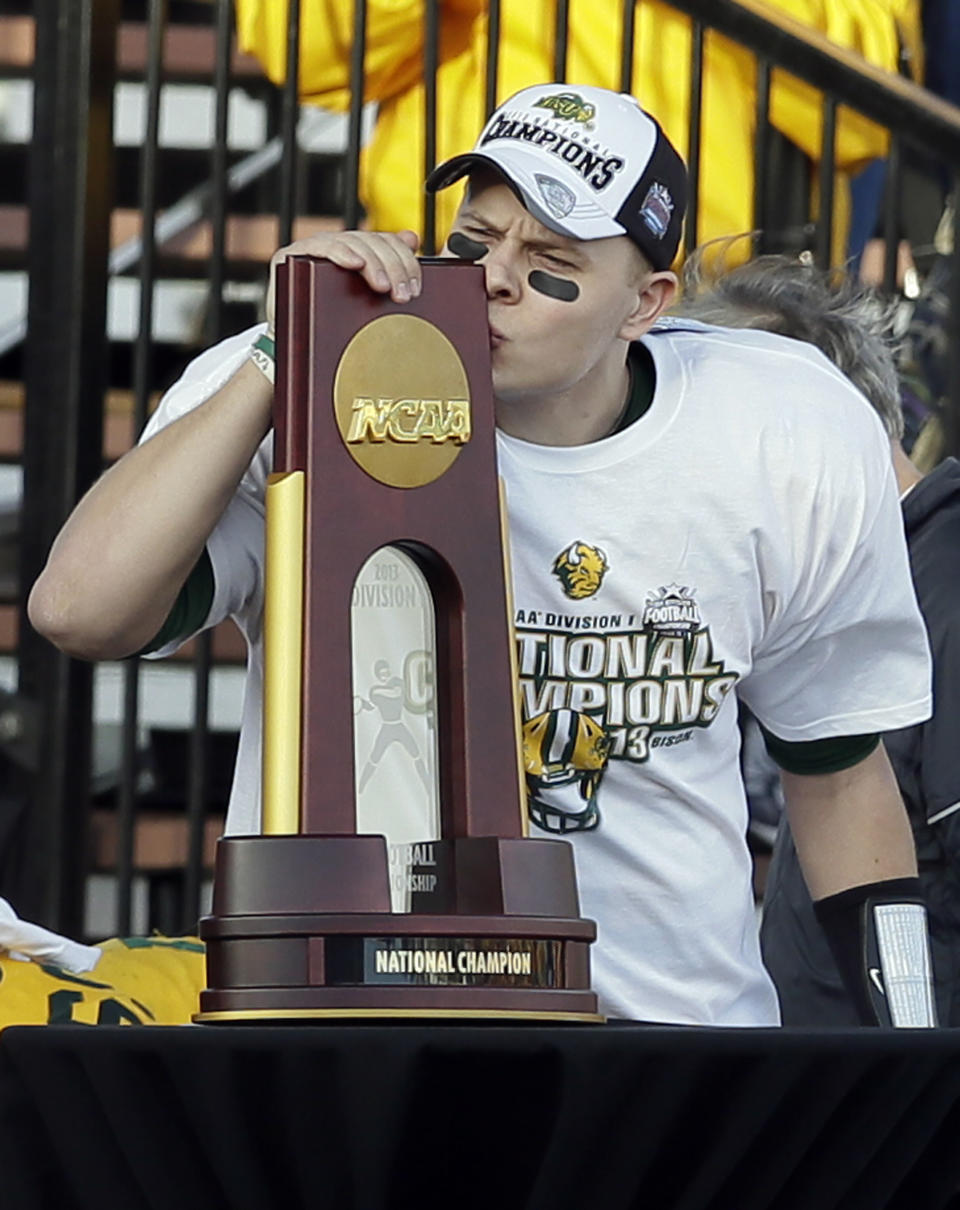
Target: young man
{"points": [[671, 548], [848, 326]]}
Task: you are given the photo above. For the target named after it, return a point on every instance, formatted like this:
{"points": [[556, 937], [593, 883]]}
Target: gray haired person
{"points": [[853, 328]]}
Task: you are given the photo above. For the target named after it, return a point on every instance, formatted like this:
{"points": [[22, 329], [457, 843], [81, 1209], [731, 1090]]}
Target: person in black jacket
{"points": [[926, 762], [852, 328]]}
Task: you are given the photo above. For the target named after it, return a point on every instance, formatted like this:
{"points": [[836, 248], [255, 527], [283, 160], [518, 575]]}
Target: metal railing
{"points": [[67, 353]]}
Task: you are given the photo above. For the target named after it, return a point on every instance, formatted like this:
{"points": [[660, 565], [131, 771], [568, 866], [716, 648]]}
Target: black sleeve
{"points": [[878, 936], [939, 770], [819, 755]]}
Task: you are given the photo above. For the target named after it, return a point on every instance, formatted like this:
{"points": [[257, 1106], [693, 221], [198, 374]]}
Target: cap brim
{"points": [[520, 172], [454, 170], [451, 171]]}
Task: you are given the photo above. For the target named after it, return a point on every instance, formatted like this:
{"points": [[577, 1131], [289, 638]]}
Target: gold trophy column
{"points": [[283, 653]]}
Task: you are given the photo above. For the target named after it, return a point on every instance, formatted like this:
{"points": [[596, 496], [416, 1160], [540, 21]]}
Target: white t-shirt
{"points": [[743, 537]]}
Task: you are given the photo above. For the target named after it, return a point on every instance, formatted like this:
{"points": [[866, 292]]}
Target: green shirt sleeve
{"points": [[190, 609], [819, 755]]}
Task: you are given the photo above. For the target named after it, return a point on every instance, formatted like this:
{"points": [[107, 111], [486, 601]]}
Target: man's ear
{"points": [[655, 294]]}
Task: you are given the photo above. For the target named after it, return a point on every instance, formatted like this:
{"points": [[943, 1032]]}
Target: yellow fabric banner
{"points": [[137, 981], [393, 169]]}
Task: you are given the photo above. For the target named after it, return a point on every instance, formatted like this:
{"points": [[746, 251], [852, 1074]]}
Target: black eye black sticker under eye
{"points": [[466, 248], [554, 287]]}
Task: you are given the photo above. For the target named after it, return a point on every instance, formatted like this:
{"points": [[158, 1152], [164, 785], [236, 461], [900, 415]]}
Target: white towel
{"points": [[29, 942]]}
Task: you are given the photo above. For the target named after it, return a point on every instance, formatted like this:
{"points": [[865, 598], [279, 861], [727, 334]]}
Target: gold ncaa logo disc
{"points": [[402, 401]]}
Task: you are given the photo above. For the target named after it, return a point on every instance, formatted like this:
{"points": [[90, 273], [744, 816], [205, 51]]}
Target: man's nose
{"points": [[502, 274]]}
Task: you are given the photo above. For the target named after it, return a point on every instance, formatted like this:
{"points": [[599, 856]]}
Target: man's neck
{"points": [[587, 411]]}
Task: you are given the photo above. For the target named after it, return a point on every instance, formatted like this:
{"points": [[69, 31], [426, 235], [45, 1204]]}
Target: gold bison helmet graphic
{"points": [[580, 568], [564, 757]]}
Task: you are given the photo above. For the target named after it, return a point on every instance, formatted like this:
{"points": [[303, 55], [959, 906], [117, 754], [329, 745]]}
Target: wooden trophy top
{"points": [[388, 410]]}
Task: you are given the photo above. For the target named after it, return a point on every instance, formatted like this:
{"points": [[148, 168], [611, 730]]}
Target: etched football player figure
{"points": [[387, 697]]}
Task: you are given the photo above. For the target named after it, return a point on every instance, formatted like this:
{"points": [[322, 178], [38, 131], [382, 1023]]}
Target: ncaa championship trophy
{"points": [[432, 902]]}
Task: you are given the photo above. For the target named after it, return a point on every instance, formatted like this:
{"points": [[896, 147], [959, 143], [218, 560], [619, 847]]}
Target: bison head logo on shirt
{"points": [[580, 568]]}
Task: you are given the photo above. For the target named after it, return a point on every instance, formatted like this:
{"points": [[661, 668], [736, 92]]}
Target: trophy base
{"points": [[496, 936], [293, 1016]]}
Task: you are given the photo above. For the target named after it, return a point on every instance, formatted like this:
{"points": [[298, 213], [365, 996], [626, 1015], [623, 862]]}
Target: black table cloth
{"points": [[378, 1117]]}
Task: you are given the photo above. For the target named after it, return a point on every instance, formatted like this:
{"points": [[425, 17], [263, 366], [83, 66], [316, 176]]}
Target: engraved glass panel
{"points": [[395, 726]]}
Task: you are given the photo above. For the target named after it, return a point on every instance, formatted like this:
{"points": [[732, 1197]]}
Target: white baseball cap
{"points": [[586, 162]]}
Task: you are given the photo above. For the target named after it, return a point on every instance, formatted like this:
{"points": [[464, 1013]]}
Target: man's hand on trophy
{"points": [[386, 260]]}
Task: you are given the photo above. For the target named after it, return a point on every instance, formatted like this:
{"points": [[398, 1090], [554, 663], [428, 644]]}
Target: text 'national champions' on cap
{"points": [[587, 162]]}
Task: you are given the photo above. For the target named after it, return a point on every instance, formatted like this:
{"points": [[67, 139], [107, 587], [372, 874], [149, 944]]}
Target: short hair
{"points": [[851, 325]]}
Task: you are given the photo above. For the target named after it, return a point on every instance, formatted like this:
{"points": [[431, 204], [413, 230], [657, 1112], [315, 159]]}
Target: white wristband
{"points": [[263, 356]]}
